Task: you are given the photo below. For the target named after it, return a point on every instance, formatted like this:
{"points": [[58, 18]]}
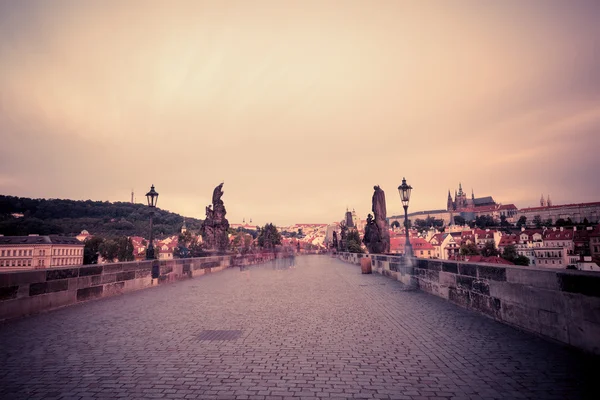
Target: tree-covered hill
{"points": [[70, 217]]}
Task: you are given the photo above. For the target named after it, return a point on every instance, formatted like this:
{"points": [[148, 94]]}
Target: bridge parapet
{"points": [[28, 292], [562, 305]]}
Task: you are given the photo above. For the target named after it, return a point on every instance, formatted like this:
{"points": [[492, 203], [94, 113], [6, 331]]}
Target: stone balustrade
{"points": [[562, 305], [29, 292]]}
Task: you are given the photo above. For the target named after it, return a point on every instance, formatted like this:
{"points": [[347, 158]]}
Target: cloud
{"points": [[301, 110]]}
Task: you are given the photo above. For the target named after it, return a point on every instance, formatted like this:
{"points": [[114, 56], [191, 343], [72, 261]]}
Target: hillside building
{"points": [[35, 252]]}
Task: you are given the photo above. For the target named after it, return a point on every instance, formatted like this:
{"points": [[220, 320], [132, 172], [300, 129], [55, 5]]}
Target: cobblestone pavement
{"points": [[321, 330]]}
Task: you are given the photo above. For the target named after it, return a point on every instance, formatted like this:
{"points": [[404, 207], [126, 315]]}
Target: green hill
{"points": [[70, 217]]}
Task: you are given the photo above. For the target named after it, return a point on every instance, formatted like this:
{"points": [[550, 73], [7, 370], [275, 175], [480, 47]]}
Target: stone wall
{"points": [[562, 305], [29, 292]]}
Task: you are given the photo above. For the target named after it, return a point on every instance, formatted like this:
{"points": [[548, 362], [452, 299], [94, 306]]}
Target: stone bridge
{"points": [[318, 330]]}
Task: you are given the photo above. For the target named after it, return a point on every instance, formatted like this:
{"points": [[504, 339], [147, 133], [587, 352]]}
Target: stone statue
{"points": [[377, 235], [215, 226], [335, 241]]}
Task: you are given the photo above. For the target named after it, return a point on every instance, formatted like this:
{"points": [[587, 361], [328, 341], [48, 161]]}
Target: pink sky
{"points": [[300, 107]]}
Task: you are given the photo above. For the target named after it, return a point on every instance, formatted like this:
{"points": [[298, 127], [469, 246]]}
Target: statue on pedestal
{"points": [[215, 226], [377, 235]]}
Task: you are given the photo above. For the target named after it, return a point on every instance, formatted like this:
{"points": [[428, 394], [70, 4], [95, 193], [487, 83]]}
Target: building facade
{"points": [[576, 212], [34, 252]]}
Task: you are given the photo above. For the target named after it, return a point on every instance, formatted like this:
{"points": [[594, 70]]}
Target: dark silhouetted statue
{"points": [[377, 235], [215, 226]]}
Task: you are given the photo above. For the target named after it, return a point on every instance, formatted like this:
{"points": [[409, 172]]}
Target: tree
{"points": [[469, 249], [586, 222], [269, 237], [548, 223], [537, 221], [109, 250], [69, 217], [395, 225], [489, 249], [458, 220], [522, 222], [510, 254], [125, 249], [91, 248], [196, 249], [561, 222], [484, 221], [353, 240]]}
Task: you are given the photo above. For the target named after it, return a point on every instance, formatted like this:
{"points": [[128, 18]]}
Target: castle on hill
{"points": [[462, 203]]}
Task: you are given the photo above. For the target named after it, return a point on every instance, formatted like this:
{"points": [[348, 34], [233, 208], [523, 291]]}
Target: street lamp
{"points": [[405, 190], [152, 197]]}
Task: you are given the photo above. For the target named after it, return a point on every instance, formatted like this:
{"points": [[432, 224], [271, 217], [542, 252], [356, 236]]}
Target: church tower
{"points": [[542, 201], [183, 227], [449, 204], [549, 202]]}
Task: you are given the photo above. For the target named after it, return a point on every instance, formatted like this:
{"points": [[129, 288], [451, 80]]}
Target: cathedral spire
{"points": [[472, 194], [549, 202], [542, 201]]}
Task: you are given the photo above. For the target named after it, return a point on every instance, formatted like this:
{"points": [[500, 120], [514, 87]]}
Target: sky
{"points": [[300, 107]]}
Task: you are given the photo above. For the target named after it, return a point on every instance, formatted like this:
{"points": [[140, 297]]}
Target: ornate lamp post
{"points": [[152, 197], [405, 190]]}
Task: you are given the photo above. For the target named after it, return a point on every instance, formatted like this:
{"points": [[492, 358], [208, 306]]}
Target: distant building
{"points": [[349, 220], [83, 236], [463, 206], [462, 203], [34, 251], [576, 212]]}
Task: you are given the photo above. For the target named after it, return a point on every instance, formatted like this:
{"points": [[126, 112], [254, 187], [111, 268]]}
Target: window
{"points": [[2, 253]]}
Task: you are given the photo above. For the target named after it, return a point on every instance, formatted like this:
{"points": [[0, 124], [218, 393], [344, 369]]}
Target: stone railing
{"points": [[562, 305], [28, 292]]}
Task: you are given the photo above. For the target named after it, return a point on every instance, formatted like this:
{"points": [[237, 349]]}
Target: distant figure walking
{"points": [[293, 259]]}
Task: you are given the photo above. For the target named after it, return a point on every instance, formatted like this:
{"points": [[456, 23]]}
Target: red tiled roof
{"points": [[558, 235], [486, 208], [439, 237]]}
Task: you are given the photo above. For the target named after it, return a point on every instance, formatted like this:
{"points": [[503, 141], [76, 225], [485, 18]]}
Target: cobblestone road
{"points": [[321, 330]]}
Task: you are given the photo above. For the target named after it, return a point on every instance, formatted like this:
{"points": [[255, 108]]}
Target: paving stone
{"points": [[322, 330]]}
